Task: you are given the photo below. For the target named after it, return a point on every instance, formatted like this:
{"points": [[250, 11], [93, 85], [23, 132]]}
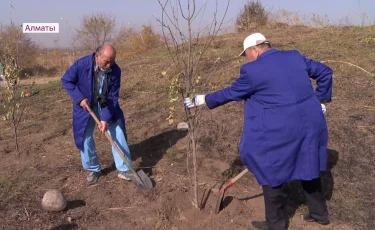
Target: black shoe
{"points": [[307, 217], [260, 225], [264, 226], [93, 177]]}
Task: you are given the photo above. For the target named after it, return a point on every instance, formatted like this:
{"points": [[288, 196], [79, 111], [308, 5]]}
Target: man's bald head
{"points": [[106, 49], [105, 56]]}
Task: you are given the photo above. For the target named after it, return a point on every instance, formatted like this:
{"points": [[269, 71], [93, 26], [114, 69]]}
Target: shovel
{"points": [[225, 187], [140, 179]]}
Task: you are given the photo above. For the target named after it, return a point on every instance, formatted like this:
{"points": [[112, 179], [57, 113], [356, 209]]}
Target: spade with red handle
{"points": [[225, 187]]}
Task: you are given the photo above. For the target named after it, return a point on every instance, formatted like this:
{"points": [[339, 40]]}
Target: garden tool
{"points": [[225, 187], [140, 179]]}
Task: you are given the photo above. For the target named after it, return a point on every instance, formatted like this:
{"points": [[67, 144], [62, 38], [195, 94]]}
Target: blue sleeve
{"points": [[70, 80], [323, 76], [112, 99], [239, 90]]}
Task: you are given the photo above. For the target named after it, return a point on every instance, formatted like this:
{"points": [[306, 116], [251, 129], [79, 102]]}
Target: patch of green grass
{"points": [[6, 187], [368, 40], [11, 187], [52, 85]]}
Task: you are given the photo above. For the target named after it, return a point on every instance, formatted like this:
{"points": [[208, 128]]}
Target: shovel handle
{"points": [[240, 175], [232, 181], [226, 186], [112, 142]]}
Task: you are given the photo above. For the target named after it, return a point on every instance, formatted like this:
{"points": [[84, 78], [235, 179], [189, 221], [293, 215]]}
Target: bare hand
{"points": [[103, 126], [84, 104]]}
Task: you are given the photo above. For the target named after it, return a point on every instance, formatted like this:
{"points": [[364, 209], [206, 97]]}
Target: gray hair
{"points": [[264, 46], [99, 50]]}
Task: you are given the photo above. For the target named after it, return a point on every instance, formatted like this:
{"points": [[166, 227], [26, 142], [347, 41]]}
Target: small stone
{"points": [[53, 200], [182, 126]]}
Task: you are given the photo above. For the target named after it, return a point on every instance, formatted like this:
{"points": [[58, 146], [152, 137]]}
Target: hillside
{"points": [[49, 159]]}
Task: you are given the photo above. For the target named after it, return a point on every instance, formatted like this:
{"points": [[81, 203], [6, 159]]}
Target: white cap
{"points": [[253, 40]]}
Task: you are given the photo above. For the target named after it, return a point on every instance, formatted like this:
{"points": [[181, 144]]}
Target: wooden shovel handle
{"points": [[240, 175], [227, 185], [232, 181], [111, 141]]}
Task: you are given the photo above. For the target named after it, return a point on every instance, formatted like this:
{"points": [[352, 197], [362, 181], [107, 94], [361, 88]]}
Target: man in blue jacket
{"points": [[94, 80], [285, 133]]}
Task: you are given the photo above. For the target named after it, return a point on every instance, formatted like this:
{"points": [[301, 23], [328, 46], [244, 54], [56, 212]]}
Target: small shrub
{"points": [[130, 41], [13, 41], [288, 17], [251, 15], [95, 30]]}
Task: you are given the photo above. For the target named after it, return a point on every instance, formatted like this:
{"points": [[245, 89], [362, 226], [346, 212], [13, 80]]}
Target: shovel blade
{"points": [[219, 200], [142, 181], [147, 183]]}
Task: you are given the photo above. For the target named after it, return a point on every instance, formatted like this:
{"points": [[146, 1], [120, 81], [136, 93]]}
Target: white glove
{"points": [[323, 108], [196, 101]]}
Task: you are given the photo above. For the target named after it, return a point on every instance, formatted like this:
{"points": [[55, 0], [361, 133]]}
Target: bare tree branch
{"points": [[215, 31], [95, 30]]}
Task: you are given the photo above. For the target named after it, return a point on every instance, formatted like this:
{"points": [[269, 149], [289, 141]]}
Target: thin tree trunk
{"points": [[195, 178], [189, 77], [16, 139], [14, 120]]}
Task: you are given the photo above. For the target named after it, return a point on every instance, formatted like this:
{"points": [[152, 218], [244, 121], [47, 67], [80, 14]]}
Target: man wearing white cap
{"points": [[285, 133]]}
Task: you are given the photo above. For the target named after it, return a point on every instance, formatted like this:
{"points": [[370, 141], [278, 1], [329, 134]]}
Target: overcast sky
{"points": [[69, 13]]}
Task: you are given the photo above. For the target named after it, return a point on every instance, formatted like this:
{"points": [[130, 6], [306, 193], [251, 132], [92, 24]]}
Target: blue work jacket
{"points": [[285, 132], [78, 82]]}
